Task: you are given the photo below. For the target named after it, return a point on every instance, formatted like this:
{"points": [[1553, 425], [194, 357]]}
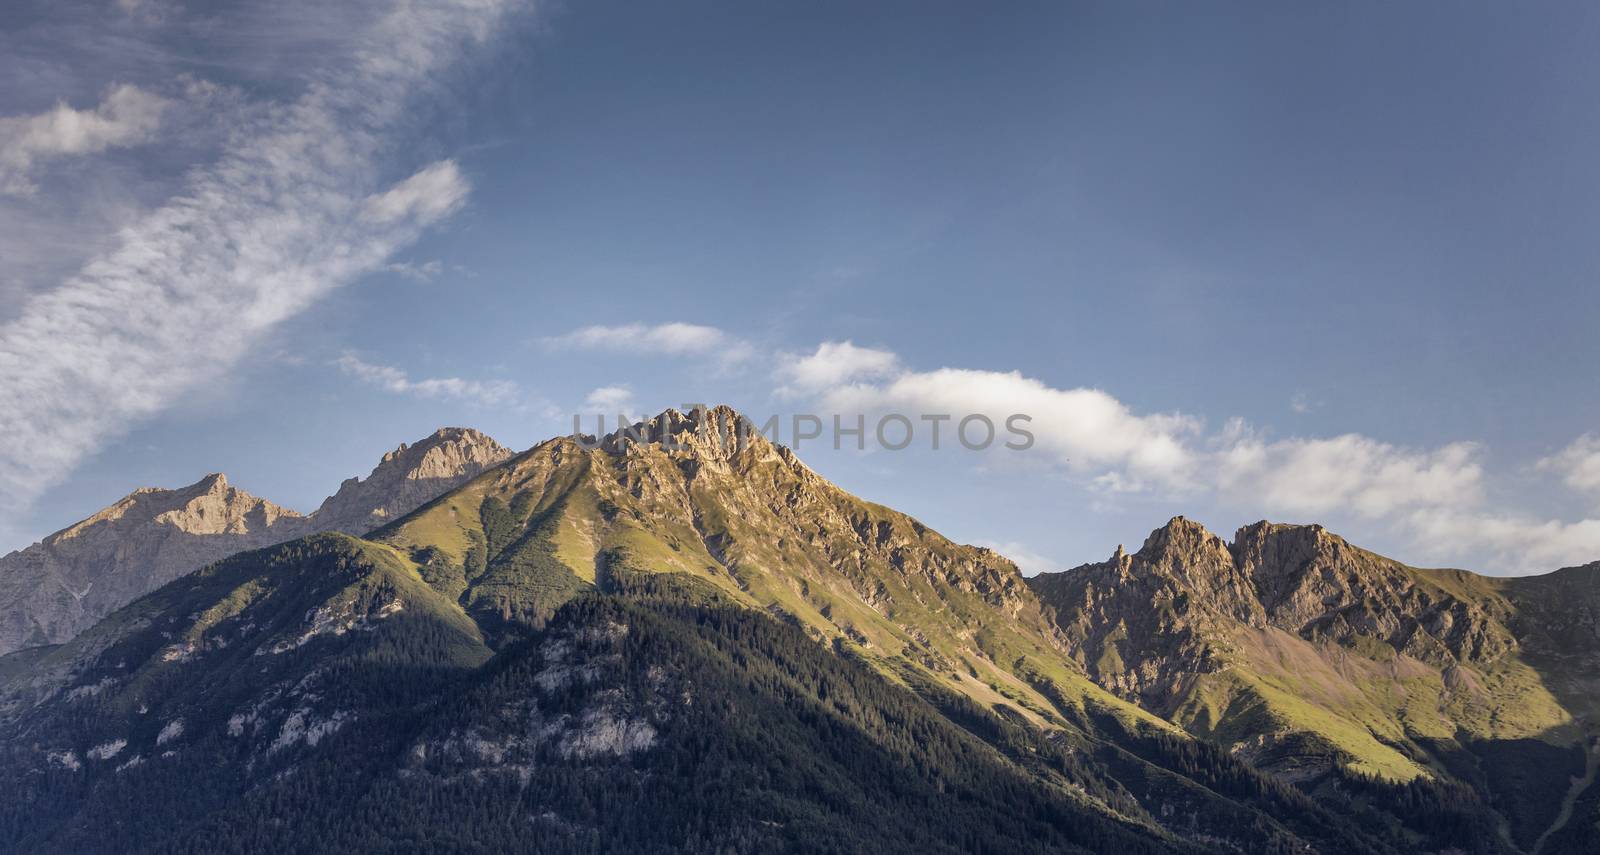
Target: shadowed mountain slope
{"points": [[680, 638]]}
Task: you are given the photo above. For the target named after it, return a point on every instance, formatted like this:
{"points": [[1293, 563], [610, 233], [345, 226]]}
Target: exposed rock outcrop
{"points": [[60, 586], [407, 478]]}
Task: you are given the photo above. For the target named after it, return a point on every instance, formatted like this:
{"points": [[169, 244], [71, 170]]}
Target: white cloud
{"points": [[1087, 431], [1513, 544], [670, 339], [1099, 438], [610, 400], [424, 272], [432, 194], [835, 363], [1349, 473], [1433, 496], [127, 116], [391, 379], [1578, 464], [293, 208]]}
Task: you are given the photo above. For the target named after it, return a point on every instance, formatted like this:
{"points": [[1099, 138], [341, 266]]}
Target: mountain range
{"points": [[679, 637], [62, 585]]}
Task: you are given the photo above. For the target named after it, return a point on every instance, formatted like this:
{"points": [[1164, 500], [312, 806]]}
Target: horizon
{"points": [[646, 420]]}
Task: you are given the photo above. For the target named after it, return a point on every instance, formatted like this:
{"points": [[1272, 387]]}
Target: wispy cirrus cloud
{"points": [[127, 116], [397, 381], [668, 339], [426, 271], [297, 204]]}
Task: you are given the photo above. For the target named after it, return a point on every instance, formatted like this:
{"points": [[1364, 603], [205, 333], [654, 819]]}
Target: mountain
{"points": [[679, 638], [320, 696], [54, 589], [1301, 653], [703, 497], [407, 478], [60, 586]]}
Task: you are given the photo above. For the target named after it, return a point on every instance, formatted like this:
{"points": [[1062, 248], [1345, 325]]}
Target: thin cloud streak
{"points": [[391, 379], [668, 339], [293, 209]]}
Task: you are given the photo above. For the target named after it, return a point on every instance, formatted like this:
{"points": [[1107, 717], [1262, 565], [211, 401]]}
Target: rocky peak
{"points": [[60, 586], [208, 506], [407, 477], [719, 431], [1192, 559], [1179, 540], [1278, 557], [718, 439]]}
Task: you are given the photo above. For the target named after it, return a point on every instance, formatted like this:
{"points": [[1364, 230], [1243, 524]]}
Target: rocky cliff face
{"points": [[54, 589], [1144, 622], [407, 478], [1299, 649], [1312, 582]]}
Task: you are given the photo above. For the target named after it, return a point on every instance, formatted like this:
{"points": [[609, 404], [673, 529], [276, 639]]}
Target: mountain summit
{"points": [[407, 478], [60, 586], [54, 589], [1300, 651], [706, 496]]}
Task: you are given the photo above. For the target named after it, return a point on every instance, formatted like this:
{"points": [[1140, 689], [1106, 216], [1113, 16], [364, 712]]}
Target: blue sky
{"points": [[1238, 262]]}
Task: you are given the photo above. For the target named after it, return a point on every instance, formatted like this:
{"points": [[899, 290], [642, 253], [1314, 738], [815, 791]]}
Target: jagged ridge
{"points": [[54, 589]]}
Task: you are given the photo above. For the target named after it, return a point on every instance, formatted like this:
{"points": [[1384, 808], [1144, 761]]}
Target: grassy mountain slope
{"points": [[626, 647], [747, 516], [1301, 653], [661, 716], [697, 644]]}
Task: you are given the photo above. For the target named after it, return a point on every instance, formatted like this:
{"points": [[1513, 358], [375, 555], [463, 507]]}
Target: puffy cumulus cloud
{"points": [[1087, 431], [127, 116], [610, 400], [1094, 435], [1514, 544], [294, 206], [1349, 473], [1578, 465], [834, 363], [391, 379]]}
